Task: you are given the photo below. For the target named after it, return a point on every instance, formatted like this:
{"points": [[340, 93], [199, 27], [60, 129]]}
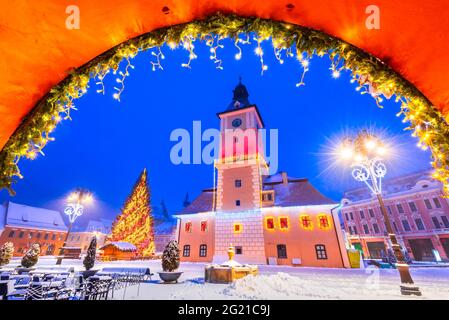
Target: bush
{"points": [[31, 256], [6, 253], [89, 260], [170, 257]]}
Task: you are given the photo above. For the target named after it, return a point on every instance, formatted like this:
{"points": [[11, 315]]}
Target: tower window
{"points": [[238, 227], [238, 250], [203, 250], [321, 253], [238, 183], [282, 251], [237, 203], [186, 251]]}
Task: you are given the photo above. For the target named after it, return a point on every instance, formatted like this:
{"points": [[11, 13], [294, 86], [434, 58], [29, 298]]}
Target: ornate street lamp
{"points": [[365, 154], [74, 209]]}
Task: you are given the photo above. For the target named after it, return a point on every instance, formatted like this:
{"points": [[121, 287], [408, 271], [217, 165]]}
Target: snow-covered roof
{"points": [[295, 192], [2, 217], [19, 215], [121, 245], [99, 226], [414, 182]]}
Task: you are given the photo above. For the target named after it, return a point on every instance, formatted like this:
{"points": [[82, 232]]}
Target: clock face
{"points": [[237, 122]]}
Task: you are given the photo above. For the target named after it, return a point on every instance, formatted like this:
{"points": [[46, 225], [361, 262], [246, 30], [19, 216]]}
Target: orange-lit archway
{"points": [[39, 52]]}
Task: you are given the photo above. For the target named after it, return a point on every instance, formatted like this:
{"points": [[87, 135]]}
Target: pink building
{"points": [[419, 216], [268, 219]]}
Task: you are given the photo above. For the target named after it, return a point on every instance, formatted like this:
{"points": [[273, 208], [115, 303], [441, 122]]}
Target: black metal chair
{"points": [[97, 289]]}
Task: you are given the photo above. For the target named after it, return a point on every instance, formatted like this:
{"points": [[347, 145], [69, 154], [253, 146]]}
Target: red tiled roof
{"points": [[202, 203], [298, 192]]}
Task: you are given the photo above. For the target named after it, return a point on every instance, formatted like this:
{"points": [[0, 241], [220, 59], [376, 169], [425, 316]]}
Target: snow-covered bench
{"points": [[124, 271]]}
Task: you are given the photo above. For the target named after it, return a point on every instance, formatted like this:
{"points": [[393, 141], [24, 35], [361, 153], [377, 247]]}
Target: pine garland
{"points": [[371, 74]]}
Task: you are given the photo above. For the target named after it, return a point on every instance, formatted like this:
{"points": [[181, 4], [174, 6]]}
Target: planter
{"points": [[169, 277], [89, 273], [21, 270]]}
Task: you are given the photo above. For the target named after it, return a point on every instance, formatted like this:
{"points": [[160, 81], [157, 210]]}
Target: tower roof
{"points": [[240, 98]]}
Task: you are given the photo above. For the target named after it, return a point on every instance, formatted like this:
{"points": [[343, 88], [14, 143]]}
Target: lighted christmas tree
{"points": [[135, 223]]}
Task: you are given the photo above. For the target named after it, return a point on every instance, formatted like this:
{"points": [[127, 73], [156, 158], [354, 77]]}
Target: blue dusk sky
{"points": [[108, 143]]}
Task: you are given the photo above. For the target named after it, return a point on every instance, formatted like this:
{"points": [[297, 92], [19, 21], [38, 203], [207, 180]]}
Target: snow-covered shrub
{"points": [[89, 260], [31, 256], [6, 253], [170, 257]]}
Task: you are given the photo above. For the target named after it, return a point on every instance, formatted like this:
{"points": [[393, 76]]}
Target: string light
{"points": [[371, 76], [188, 45], [159, 56], [121, 79]]}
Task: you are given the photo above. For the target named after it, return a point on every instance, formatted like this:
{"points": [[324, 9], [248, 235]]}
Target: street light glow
{"points": [[370, 144]]}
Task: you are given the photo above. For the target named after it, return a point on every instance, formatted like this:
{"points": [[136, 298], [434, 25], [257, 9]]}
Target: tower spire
{"points": [[240, 97]]}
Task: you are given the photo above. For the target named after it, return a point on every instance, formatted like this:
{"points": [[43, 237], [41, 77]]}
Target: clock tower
{"points": [[241, 161], [240, 167]]}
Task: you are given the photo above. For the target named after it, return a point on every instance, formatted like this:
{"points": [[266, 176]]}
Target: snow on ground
{"points": [[279, 282]]}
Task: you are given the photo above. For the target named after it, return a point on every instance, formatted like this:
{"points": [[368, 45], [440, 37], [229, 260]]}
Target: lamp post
{"points": [[365, 154], [74, 209]]}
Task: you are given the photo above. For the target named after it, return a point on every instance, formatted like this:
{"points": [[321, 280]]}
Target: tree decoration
{"points": [[371, 75], [89, 260], [170, 257], [135, 223], [31, 256], [6, 253]]}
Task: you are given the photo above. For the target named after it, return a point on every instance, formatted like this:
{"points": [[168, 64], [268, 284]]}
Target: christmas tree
{"points": [[170, 257], [89, 260], [6, 253], [31, 256], [135, 223]]}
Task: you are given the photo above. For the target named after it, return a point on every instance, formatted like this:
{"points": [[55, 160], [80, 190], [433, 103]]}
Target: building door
{"points": [[422, 249], [376, 249], [50, 250], [282, 251], [445, 244]]}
